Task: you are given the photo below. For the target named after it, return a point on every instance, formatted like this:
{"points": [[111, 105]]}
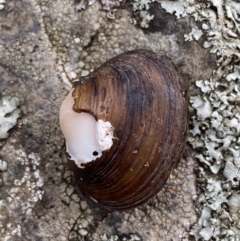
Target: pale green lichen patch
{"points": [[38, 187], [3, 165], [146, 18], [129, 237], [195, 34], [142, 7], [3, 168], [9, 113], [216, 120], [179, 8], [2, 2], [174, 7]]}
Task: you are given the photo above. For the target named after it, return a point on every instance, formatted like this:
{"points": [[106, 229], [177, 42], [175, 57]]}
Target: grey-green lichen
{"points": [[215, 118], [37, 64], [9, 113], [129, 237], [3, 165], [2, 2], [141, 7], [3, 168], [172, 7]]}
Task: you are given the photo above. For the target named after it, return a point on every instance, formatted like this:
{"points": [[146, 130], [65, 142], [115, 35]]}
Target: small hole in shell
{"points": [[235, 179]]}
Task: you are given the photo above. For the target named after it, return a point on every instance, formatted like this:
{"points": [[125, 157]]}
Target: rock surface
{"points": [[45, 46]]}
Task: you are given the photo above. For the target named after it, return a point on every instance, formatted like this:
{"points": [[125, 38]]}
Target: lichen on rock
{"points": [[2, 2], [9, 113], [216, 120], [41, 59]]}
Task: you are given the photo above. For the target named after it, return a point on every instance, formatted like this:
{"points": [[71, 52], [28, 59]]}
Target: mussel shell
{"points": [[145, 99]]}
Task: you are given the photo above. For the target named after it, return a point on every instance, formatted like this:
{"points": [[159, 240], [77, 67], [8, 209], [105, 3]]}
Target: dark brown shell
{"points": [[145, 100]]}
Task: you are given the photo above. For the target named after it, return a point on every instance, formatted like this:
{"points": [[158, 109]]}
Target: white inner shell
{"points": [[86, 138]]}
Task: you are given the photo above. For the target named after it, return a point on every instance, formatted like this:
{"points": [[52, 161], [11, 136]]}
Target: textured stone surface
{"points": [[45, 46]]}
